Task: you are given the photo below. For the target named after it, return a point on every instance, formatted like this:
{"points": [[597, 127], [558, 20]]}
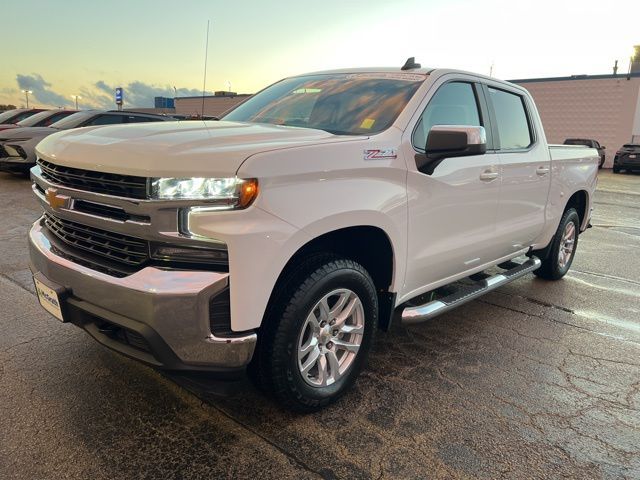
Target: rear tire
{"points": [[563, 248], [308, 355]]}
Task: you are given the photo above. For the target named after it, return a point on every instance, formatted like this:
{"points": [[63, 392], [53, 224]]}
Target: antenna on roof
{"points": [[204, 82], [410, 64]]}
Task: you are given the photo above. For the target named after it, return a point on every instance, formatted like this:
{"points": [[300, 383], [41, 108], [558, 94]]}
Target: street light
{"points": [[76, 97], [26, 94]]}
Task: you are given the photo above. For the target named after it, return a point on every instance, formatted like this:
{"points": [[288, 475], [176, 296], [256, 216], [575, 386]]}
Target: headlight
{"points": [[225, 193]]}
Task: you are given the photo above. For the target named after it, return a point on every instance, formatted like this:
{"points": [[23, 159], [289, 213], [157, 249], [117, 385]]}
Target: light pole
{"points": [[26, 95], [76, 97]]}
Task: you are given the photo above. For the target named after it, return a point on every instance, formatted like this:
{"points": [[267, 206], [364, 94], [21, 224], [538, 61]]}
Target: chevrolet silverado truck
{"points": [[277, 241]]}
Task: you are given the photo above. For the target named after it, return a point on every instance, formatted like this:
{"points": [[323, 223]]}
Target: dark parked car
{"points": [[18, 145], [588, 142], [11, 117], [627, 158]]}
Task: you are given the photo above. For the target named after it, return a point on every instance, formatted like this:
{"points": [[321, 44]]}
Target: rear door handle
{"points": [[488, 175], [542, 171]]}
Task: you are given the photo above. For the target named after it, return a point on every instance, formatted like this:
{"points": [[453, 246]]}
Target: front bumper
{"points": [[160, 317]]}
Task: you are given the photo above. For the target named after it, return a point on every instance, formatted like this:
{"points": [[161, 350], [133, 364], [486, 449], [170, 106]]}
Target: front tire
{"points": [[317, 333], [563, 248]]}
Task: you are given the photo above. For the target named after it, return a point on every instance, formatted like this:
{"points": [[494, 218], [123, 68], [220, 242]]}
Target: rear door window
{"points": [[511, 118]]}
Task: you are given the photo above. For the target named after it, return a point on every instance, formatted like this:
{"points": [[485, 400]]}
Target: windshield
{"points": [[343, 104], [72, 121], [33, 120], [8, 116]]}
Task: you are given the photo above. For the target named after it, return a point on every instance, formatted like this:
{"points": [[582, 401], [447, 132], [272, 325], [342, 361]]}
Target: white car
{"points": [[283, 236]]}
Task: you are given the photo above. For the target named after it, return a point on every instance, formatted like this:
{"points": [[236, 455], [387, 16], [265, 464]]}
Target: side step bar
{"points": [[422, 313]]}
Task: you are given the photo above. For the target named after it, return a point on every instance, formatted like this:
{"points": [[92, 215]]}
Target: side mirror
{"points": [[446, 141]]}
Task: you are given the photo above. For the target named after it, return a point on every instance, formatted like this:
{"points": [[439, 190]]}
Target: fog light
{"points": [[12, 151]]}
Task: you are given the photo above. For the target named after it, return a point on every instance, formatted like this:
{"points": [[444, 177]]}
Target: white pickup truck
{"points": [[279, 239]]}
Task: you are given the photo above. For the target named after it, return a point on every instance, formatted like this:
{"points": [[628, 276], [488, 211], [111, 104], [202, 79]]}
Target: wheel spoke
{"points": [[342, 299], [350, 347], [312, 321], [348, 329], [311, 361], [307, 347], [334, 365], [342, 317], [325, 312], [570, 231], [323, 373]]}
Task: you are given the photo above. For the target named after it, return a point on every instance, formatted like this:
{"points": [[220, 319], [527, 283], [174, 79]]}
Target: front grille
{"points": [[108, 252], [120, 250], [107, 183], [107, 211]]}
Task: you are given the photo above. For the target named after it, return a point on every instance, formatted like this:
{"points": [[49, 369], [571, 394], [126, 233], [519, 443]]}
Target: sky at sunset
{"points": [[62, 48]]}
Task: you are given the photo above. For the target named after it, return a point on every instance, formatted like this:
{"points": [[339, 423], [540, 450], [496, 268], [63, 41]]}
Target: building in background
{"points": [[605, 108], [163, 102], [214, 105]]}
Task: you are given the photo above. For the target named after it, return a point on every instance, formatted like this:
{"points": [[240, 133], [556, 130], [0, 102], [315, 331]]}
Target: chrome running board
{"points": [[466, 293]]}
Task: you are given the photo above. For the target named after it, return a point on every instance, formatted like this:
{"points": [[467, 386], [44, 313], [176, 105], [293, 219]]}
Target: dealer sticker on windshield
{"points": [[381, 154]]}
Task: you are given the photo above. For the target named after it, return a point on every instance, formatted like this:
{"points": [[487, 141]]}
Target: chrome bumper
{"points": [[169, 308]]}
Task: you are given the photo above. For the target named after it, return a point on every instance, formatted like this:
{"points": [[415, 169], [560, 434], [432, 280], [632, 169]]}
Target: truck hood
{"points": [[174, 149]]}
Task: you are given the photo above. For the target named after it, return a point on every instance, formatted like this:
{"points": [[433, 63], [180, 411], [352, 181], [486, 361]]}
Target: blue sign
{"points": [[119, 95]]}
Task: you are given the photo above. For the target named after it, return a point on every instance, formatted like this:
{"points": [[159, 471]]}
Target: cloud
{"points": [[41, 91], [100, 94]]}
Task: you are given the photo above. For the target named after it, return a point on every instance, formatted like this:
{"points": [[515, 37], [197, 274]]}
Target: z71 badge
{"points": [[384, 154]]}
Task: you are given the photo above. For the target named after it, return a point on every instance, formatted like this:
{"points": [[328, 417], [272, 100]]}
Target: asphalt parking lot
{"points": [[535, 380]]}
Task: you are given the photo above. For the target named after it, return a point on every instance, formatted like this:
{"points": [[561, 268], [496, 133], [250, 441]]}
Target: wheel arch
{"points": [[369, 245], [580, 201]]}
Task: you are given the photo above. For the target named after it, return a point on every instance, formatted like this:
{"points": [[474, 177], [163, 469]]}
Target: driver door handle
{"points": [[489, 175], [542, 171]]}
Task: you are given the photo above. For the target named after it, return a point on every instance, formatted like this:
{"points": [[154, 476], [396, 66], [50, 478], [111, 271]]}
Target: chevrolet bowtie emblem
{"points": [[55, 200]]}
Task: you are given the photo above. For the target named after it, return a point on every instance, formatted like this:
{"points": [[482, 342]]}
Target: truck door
{"points": [[525, 168], [451, 206]]}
